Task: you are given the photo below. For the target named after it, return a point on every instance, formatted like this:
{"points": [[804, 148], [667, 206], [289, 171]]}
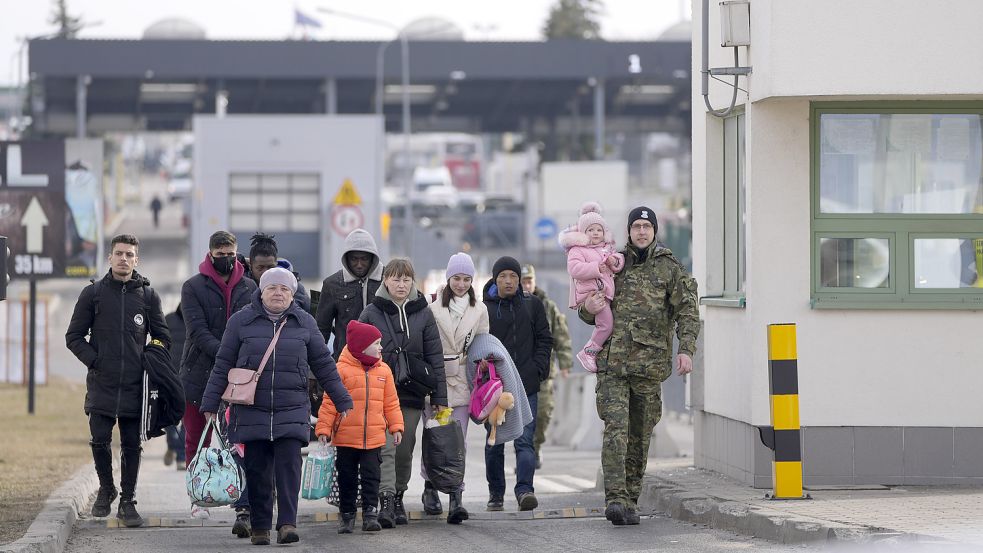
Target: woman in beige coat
{"points": [[460, 317]]}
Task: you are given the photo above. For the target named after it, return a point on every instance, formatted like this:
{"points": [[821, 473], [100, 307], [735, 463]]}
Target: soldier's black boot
{"points": [[631, 517], [387, 518], [399, 511], [129, 463], [615, 512], [346, 524], [370, 520], [102, 454], [431, 501], [456, 513]]}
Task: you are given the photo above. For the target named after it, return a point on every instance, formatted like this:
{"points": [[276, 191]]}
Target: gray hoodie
{"points": [[343, 295]]}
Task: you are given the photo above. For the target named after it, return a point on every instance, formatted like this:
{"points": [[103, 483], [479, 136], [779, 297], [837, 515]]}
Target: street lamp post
{"points": [[380, 60]]}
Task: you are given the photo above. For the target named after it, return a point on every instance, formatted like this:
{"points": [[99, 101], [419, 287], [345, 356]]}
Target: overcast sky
{"points": [[273, 19]]}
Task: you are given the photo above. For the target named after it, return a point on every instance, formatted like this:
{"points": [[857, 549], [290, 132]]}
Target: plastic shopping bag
{"points": [[440, 418], [213, 478], [443, 456], [318, 473]]}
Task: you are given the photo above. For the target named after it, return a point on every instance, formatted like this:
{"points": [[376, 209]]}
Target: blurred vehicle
{"points": [[432, 186], [494, 229], [179, 184]]}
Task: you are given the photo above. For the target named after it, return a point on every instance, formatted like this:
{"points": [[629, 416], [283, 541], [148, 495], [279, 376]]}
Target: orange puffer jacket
{"points": [[373, 391]]}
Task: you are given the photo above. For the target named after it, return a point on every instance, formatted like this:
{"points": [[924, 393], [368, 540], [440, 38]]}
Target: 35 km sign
{"points": [[32, 207]]}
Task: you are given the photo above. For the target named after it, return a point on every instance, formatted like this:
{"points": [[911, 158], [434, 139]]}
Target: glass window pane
{"points": [[274, 222], [948, 262], [304, 202], [307, 222], [305, 183], [900, 163], [854, 262], [275, 183], [244, 201], [243, 222], [275, 201], [241, 182]]}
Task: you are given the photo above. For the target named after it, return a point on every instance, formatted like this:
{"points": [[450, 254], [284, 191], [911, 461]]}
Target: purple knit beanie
{"points": [[460, 264]]}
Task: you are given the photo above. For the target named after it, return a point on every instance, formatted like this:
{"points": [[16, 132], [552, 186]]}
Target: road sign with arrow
{"points": [[32, 207]]}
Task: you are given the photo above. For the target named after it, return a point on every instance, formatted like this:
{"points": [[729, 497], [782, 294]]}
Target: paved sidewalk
{"points": [[916, 513]]}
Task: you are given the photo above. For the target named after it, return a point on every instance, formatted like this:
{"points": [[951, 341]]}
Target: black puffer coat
{"points": [[282, 408], [116, 317], [416, 330], [203, 308]]}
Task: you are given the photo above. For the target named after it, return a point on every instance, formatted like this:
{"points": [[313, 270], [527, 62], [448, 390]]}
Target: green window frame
{"points": [[902, 289]]}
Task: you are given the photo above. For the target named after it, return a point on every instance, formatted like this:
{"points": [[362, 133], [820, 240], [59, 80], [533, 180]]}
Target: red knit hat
{"points": [[360, 336]]}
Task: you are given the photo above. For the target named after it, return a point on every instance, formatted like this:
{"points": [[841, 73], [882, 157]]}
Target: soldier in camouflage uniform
{"points": [[654, 297], [561, 354]]}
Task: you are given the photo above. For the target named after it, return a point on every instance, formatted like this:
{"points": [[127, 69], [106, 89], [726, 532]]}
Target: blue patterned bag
{"points": [[318, 473], [213, 478]]}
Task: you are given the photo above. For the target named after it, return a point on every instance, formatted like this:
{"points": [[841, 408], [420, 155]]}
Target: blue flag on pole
{"points": [[301, 18]]}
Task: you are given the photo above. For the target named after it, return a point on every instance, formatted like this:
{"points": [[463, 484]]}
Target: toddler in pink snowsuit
{"points": [[592, 261]]}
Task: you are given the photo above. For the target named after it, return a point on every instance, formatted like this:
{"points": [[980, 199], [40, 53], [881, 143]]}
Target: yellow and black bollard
{"points": [[784, 436]]}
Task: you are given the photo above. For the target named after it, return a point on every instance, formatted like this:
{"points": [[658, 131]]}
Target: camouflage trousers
{"points": [[630, 407], [544, 414]]}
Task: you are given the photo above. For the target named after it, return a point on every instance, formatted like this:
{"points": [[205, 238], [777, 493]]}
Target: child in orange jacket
{"points": [[359, 437]]}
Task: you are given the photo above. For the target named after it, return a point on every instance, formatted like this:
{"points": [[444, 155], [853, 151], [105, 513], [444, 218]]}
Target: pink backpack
{"points": [[486, 391]]}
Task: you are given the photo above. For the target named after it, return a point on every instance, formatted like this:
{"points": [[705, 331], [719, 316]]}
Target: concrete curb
{"points": [[51, 528], [663, 495]]}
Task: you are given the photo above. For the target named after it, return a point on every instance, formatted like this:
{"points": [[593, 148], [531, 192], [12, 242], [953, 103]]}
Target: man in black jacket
{"points": [[345, 293], [518, 320], [116, 313], [175, 433], [208, 299]]}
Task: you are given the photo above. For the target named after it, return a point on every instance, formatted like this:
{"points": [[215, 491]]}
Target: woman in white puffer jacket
{"points": [[460, 317]]}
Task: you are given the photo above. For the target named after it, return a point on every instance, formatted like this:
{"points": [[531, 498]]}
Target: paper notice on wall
{"points": [[910, 133], [847, 134], [952, 137]]}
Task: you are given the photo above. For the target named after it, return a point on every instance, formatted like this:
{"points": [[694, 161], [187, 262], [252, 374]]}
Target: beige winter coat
{"points": [[454, 340]]}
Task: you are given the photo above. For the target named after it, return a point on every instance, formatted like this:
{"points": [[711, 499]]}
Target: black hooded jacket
{"points": [[520, 323], [116, 317]]}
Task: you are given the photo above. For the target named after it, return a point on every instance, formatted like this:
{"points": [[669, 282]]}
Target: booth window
{"points": [[274, 202], [897, 205], [726, 260]]}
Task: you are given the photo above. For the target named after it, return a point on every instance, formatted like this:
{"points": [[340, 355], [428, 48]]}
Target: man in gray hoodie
{"points": [[345, 293]]}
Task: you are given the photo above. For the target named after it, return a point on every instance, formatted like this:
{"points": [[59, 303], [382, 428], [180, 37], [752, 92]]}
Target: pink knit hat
{"points": [[590, 214]]}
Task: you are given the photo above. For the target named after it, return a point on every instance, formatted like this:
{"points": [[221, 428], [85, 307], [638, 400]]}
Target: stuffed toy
{"points": [[505, 403]]}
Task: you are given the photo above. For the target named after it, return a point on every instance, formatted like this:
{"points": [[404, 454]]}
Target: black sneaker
{"points": [[399, 512], [631, 517], [387, 518], [495, 503], [104, 501], [370, 520], [615, 512], [240, 528], [128, 515], [527, 501], [346, 524]]}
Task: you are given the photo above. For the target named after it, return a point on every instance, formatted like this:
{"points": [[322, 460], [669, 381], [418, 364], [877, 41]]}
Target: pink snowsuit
{"points": [[590, 274]]}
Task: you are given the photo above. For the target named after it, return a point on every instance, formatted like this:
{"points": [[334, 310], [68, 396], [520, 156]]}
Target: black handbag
{"points": [[412, 373]]}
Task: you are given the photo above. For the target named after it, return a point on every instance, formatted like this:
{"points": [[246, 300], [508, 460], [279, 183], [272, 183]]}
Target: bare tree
{"points": [[576, 19], [68, 25]]}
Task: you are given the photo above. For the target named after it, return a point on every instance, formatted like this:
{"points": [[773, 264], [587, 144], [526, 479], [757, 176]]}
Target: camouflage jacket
{"points": [[562, 352], [652, 300]]}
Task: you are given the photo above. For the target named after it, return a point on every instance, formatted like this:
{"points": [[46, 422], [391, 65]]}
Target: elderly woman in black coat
{"points": [[402, 315], [277, 425]]}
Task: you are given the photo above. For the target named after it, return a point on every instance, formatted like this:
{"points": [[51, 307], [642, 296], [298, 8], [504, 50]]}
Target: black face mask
{"points": [[224, 265]]}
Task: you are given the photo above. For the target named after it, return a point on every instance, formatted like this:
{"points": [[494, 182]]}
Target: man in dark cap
{"points": [[518, 319], [654, 297]]}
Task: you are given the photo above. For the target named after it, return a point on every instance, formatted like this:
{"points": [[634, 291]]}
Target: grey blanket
{"points": [[519, 416]]}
